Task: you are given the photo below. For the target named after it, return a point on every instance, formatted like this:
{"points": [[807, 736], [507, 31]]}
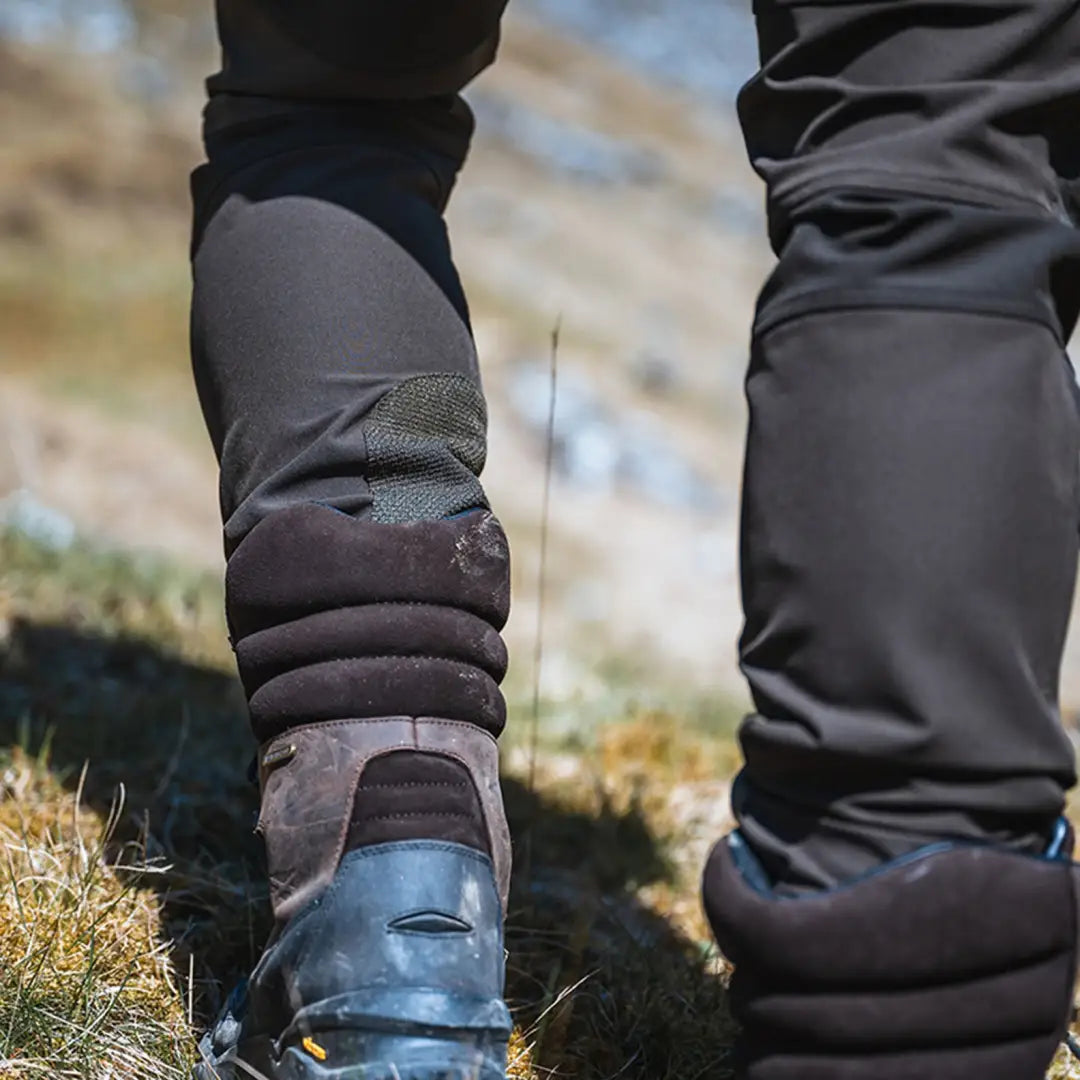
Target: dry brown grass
{"points": [[122, 919], [86, 985]]}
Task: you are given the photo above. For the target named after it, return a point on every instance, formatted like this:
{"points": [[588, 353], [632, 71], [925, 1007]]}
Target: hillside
{"points": [[598, 197], [134, 895], [588, 198]]}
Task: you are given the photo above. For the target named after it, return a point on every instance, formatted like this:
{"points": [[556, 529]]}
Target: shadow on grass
{"points": [[646, 1002]]}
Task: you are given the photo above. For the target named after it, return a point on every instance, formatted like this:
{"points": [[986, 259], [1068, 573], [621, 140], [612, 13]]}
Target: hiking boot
{"points": [[387, 846]]}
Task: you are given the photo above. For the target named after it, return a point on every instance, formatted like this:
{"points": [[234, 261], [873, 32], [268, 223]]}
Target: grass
{"points": [[130, 886], [131, 894], [85, 980]]}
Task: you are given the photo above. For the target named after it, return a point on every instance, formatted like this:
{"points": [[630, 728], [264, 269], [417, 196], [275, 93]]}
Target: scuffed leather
{"points": [[306, 799]]}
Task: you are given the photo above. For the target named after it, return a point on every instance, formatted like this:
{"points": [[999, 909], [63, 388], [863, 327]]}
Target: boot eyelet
{"points": [[279, 755]]}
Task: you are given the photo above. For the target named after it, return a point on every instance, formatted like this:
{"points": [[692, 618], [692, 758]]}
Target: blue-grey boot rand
{"points": [[394, 968], [394, 973]]}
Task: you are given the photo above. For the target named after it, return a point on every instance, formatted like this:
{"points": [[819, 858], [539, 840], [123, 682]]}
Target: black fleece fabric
{"points": [[415, 796], [334, 618], [953, 963]]}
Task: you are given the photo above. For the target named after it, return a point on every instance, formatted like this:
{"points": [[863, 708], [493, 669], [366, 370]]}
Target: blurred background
{"points": [[606, 189]]}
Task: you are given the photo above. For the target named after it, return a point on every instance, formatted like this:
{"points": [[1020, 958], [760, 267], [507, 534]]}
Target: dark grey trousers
{"points": [[911, 498]]}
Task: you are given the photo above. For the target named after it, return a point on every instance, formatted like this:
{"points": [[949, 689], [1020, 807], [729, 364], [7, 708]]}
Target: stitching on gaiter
{"points": [[495, 674], [381, 656], [363, 605], [416, 783]]}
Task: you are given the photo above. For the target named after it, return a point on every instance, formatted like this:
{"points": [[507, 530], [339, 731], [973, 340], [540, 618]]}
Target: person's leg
{"points": [[909, 544], [367, 580]]}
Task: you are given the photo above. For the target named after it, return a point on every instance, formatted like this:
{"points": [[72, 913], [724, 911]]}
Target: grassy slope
{"points": [[130, 892]]}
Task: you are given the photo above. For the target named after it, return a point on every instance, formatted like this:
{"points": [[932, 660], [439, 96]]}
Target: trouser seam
{"points": [[845, 298], [789, 196]]}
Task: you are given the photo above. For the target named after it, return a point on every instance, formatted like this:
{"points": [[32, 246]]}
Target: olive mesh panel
{"points": [[426, 444]]}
